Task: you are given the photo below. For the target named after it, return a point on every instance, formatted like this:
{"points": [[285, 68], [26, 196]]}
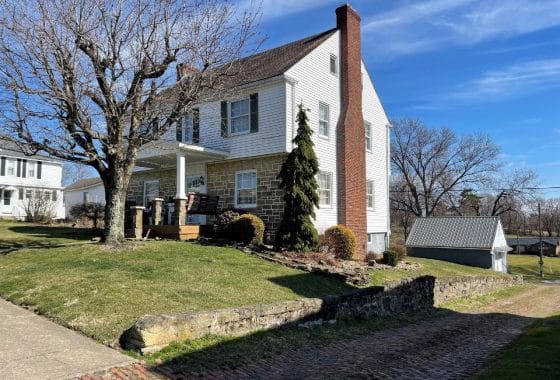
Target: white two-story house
{"points": [[25, 177], [234, 147]]}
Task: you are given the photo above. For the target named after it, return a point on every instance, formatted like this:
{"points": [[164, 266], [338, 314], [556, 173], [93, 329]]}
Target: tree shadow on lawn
{"points": [[39, 236], [313, 285], [438, 331]]}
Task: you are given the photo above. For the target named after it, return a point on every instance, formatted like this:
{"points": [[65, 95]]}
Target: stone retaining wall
{"points": [[153, 332]]}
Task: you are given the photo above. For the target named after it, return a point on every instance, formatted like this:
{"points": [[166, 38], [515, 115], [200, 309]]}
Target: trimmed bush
{"points": [[341, 241], [391, 258], [92, 212], [247, 229], [224, 220]]}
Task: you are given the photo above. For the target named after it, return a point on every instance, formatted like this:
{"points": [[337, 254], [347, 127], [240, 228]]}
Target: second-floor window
{"points": [[334, 64], [31, 169], [239, 117], [370, 195], [367, 127], [187, 125], [324, 117], [10, 167], [324, 180]]}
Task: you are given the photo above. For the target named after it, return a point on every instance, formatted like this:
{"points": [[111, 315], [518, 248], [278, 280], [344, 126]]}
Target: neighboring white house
{"points": [[234, 147], [24, 177], [87, 190], [470, 240]]}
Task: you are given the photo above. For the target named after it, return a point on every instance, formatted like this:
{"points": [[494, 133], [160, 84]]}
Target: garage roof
{"points": [[464, 232]]}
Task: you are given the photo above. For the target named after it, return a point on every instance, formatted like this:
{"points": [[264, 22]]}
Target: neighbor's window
{"points": [[334, 64], [31, 169], [28, 194], [324, 119], [246, 189], [324, 180], [367, 127], [10, 167], [239, 112], [7, 197], [370, 195]]}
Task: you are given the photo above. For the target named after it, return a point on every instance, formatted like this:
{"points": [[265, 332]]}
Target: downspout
{"points": [[388, 127]]}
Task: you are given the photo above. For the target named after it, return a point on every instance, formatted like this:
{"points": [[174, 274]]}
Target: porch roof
{"points": [[163, 154]]}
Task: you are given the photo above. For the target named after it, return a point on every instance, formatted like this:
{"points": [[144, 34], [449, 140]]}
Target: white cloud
{"points": [[429, 25], [512, 82], [271, 9]]}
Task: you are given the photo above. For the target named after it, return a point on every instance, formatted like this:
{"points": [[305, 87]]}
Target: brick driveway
{"points": [[448, 347]]}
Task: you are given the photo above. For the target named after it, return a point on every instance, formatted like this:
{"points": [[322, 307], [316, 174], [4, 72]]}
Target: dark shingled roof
{"points": [[276, 61], [8, 148], [469, 232], [83, 183]]}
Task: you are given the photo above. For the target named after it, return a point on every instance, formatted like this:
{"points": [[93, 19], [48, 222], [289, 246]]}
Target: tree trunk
{"points": [[116, 185]]}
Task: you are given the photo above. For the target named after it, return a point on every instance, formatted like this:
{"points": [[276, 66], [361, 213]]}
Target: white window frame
{"points": [[144, 200], [334, 58], [370, 196], [238, 189], [367, 130], [31, 169], [7, 197], [327, 120], [369, 238], [10, 165], [329, 189], [185, 135], [247, 115]]}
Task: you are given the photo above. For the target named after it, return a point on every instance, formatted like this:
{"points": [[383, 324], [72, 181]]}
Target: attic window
{"points": [[334, 64]]}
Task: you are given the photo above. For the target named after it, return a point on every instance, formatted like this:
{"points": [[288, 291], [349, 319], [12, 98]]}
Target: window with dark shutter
{"points": [[54, 196], [224, 123], [21, 193], [39, 167], [18, 170], [254, 113], [196, 126], [3, 166], [179, 130], [24, 168]]}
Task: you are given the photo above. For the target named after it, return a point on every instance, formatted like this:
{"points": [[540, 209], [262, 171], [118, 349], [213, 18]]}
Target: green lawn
{"points": [[528, 266], [533, 355], [430, 267], [101, 292]]}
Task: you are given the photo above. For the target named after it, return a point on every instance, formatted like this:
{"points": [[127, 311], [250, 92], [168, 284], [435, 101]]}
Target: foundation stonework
{"points": [[270, 202]]}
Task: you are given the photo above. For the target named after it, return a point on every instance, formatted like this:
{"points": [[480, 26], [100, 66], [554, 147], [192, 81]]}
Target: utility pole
{"points": [[541, 263]]}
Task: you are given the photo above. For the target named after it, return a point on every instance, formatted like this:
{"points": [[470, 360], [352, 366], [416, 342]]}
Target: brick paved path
{"points": [[449, 347]]}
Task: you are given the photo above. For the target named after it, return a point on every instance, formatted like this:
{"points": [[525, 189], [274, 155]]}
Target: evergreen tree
{"points": [[297, 179]]}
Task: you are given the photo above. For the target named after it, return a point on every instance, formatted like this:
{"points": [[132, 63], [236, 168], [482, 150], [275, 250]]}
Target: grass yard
{"points": [[533, 355], [528, 266], [101, 292], [430, 267]]}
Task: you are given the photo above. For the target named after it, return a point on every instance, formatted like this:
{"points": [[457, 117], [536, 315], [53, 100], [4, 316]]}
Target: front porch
{"points": [[170, 197]]}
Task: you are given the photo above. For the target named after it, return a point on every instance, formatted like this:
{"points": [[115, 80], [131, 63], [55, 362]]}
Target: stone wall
{"points": [[153, 332], [167, 185], [270, 205]]}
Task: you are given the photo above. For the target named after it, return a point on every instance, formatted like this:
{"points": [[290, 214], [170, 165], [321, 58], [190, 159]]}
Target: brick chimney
{"points": [[351, 160]]}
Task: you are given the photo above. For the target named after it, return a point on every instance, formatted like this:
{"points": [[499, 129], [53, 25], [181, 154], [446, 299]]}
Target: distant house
{"points": [[474, 240], [27, 178], [87, 190], [531, 245]]}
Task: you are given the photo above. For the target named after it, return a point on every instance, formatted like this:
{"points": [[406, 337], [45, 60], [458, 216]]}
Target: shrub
{"points": [[341, 241], [92, 212], [391, 258], [247, 229], [399, 247], [222, 225], [372, 257]]}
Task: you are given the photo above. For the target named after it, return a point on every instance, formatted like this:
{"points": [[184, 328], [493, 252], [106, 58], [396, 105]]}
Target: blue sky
{"points": [[490, 66]]}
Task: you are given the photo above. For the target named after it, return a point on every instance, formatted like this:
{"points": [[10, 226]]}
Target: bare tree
{"points": [[91, 81], [434, 163], [73, 172], [513, 188], [39, 206], [399, 214]]}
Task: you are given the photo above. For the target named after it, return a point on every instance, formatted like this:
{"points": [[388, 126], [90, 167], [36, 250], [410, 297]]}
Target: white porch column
{"points": [[181, 175]]}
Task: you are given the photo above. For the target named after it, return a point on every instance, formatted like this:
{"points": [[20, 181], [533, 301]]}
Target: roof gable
{"points": [[84, 183], [471, 232]]}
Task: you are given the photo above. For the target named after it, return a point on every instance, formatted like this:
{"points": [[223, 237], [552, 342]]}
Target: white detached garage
{"points": [[469, 240]]}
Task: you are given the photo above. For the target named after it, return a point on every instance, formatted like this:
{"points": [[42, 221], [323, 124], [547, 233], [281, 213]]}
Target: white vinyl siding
{"points": [[246, 189], [324, 119], [239, 117], [324, 180], [370, 195], [367, 128]]}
